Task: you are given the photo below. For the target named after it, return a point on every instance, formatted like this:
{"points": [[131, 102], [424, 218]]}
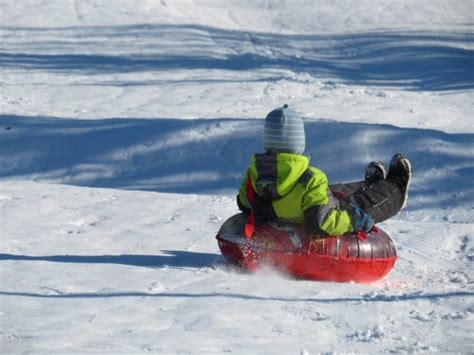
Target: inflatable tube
{"points": [[361, 257]]}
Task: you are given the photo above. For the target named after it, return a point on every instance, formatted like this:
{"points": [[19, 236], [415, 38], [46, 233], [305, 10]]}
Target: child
{"points": [[281, 185]]}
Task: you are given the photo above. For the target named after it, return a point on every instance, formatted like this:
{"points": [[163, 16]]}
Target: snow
{"points": [[124, 131]]}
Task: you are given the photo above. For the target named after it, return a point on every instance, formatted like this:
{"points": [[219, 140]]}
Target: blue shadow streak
{"points": [[210, 155], [171, 258], [244, 297], [438, 61]]}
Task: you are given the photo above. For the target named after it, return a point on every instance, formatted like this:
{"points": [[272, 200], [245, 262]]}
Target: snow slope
{"points": [[124, 131]]}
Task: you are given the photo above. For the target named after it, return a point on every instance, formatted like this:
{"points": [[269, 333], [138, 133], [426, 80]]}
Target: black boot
{"points": [[374, 172], [400, 173]]}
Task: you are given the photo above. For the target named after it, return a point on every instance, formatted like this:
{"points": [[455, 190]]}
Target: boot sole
{"points": [[407, 164]]}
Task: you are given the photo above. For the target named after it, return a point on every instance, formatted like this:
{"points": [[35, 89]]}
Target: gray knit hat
{"points": [[283, 131]]}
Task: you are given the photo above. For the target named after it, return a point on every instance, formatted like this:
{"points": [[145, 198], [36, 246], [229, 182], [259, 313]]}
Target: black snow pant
{"points": [[381, 200]]}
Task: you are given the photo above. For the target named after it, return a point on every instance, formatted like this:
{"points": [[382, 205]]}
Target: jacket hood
{"points": [[277, 172]]}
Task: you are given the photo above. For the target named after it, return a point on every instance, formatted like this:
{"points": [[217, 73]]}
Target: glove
{"points": [[362, 221]]}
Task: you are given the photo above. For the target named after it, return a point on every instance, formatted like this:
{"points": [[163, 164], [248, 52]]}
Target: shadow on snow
{"points": [[413, 60], [171, 258], [186, 259], [210, 156], [244, 297]]}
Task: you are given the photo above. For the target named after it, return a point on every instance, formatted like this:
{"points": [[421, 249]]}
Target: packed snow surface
{"points": [[125, 128]]}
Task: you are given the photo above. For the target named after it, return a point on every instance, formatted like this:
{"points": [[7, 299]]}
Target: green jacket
{"points": [[286, 187]]}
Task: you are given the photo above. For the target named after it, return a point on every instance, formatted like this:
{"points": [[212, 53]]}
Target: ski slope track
{"points": [[124, 133]]}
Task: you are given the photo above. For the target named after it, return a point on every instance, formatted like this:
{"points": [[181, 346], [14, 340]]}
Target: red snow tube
{"points": [[360, 257]]}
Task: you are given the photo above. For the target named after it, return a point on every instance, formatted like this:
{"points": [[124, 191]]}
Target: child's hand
{"points": [[361, 219]]}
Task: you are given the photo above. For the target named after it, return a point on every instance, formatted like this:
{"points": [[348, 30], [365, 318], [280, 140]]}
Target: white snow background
{"points": [[125, 127]]}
